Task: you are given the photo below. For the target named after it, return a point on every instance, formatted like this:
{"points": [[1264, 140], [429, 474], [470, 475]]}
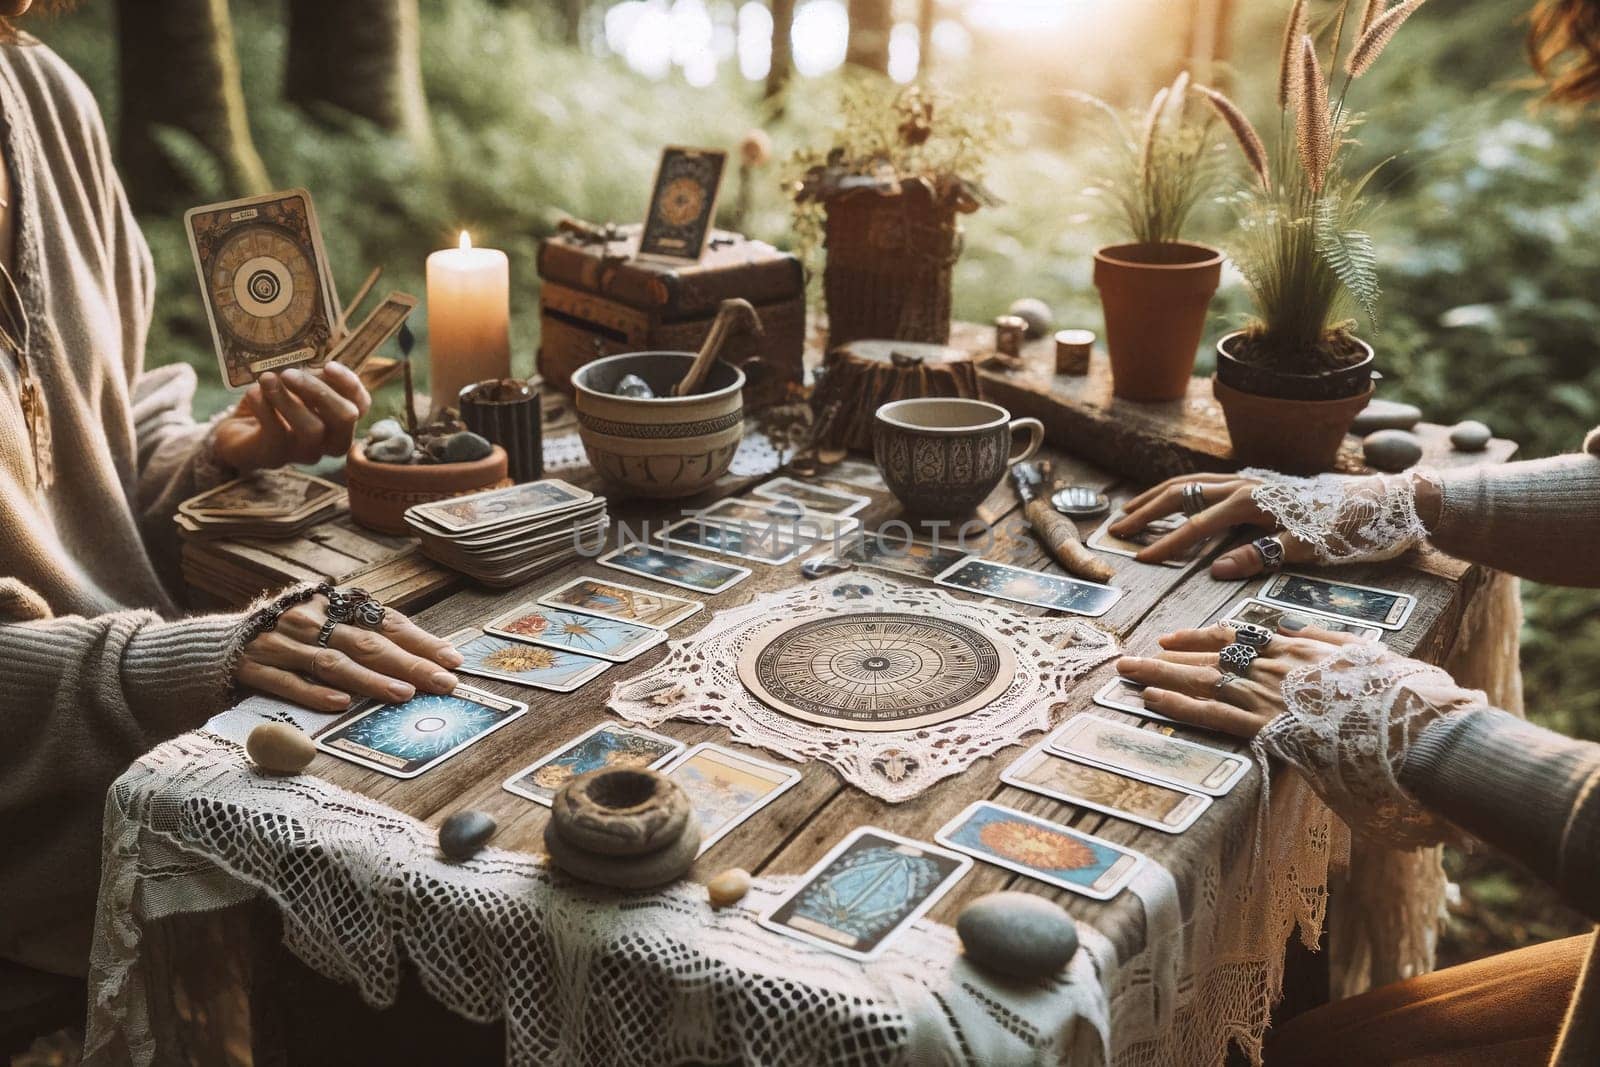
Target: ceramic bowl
{"points": [[381, 492], [667, 446]]}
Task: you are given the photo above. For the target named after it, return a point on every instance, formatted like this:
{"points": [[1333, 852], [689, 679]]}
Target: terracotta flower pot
{"points": [[381, 492], [1155, 298], [1292, 436]]}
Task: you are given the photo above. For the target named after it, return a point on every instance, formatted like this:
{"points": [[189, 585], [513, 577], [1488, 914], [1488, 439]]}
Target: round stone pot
{"points": [[667, 446], [380, 493], [1155, 297]]}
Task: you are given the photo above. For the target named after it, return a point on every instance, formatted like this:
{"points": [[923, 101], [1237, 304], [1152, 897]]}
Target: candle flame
{"points": [[466, 240]]}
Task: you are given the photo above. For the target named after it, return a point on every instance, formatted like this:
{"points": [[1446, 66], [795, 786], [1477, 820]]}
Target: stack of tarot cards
{"points": [[505, 536], [275, 503]]}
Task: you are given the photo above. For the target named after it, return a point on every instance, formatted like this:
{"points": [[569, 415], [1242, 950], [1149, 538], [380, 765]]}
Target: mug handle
{"points": [[1035, 430]]}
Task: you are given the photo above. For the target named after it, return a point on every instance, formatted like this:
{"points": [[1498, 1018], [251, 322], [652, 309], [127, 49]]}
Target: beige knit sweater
{"points": [[99, 676]]}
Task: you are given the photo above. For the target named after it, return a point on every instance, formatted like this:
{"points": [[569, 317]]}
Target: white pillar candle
{"points": [[469, 319]]}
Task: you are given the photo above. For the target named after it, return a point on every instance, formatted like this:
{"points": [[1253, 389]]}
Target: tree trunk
{"points": [[362, 57], [782, 66], [870, 23], [572, 21], [179, 70], [927, 15]]}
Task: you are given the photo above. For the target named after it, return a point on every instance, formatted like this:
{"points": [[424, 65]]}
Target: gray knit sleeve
{"points": [[1527, 791], [1538, 519]]}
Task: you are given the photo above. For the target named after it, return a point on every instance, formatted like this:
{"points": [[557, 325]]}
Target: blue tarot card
{"points": [[607, 745], [1041, 849], [674, 568], [489, 656], [406, 739], [587, 635], [870, 887], [1031, 587]]}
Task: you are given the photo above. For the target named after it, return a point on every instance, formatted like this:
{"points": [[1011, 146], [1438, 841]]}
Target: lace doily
{"points": [[1345, 519], [698, 680]]}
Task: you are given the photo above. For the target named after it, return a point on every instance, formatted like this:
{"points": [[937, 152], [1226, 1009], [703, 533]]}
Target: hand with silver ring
{"points": [[1237, 658], [1193, 499], [1271, 551], [1249, 633]]}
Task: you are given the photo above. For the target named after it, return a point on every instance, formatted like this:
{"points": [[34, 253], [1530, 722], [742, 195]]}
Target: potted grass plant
{"points": [[1155, 287], [1291, 382]]}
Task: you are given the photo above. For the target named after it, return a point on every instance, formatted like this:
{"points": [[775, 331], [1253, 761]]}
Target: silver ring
{"points": [[325, 634], [1228, 679], [1270, 549], [1237, 658], [355, 607], [1192, 499], [1248, 633]]}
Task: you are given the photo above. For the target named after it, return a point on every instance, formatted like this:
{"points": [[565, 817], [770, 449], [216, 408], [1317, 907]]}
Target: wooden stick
{"points": [[729, 314], [361, 294], [411, 400]]}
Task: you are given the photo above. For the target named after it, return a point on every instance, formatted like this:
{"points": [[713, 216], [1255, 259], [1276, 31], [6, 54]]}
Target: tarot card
{"points": [[282, 491], [1147, 754], [868, 888], [792, 517], [1119, 694], [726, 788], [587, 635], [607, 745], [1359, 603], [682, 204], [675, 568], [1261, 613], [1054, 854], [1159, 807], [816, 497], [478, 511], [264, 278], [1105, 541], [491, 656], [1031, 587], [763, 544], [920, 559], [629, 603], [408, 738], [383, 323]]}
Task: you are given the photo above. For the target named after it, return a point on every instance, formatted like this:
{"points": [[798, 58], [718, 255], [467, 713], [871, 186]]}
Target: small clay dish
{"points": [[381, 492], [620, 811]]}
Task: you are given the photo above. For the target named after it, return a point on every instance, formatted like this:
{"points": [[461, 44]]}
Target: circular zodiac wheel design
{"points": [[681, 201], [265, 288], [876, 670]]}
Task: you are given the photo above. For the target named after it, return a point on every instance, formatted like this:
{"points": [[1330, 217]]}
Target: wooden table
{"points": [[788, 836]]}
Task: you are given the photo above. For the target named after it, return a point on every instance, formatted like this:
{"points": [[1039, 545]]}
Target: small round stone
{"points": [[384, 429], [1017, 934], [280, 748], [1036, 313], [396, 449], [463, 833], [465, 447], [729, 887], [1385, 415], [1470, 436], [1392, 450]]}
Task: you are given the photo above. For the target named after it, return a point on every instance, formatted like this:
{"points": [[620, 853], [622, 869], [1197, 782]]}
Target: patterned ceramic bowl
{"points": [[665, 446], [941, 457]]}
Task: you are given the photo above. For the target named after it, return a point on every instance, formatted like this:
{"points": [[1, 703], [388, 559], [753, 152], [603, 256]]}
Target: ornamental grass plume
{"points": [[1147, 139], [1375, 38], [1370, 13], [1288, 61], [1250, 143], [1313, 133]]}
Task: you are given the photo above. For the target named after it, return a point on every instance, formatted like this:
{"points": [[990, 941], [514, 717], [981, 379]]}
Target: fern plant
{"points": [[1301, 244]]}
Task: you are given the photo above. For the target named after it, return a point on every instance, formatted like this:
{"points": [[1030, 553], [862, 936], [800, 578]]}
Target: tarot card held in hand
{"points": [[406, 739], [490, 656], [1271, 616], [1031, 587], [726, 788], [1052, 853], [478, 511], [674, 568], [613, 600], [683, 204], [264, 277], [762, 544], [815, 497], [587, 635], [1156, 806], [1359, 603], [607, 745], [920, 559], [1104, 540], [1149, 755], [868, 888], [384, 322]]}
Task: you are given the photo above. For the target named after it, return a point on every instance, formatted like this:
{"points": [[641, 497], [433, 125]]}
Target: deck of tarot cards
{"points": [[270, 503], [503, 537]]}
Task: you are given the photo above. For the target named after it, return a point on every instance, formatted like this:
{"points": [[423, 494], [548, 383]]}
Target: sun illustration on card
{"points": [[516, 660], [1036, 846]]}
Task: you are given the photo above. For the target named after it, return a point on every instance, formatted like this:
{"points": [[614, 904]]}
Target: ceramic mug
{"points": [[942, 456]]}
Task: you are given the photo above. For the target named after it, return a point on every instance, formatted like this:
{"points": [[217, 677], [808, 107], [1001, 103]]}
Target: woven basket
{"points": [[889, 267]]}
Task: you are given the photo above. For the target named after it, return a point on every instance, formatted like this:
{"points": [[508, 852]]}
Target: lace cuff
{"points": [[1347, 724], [1345, 519]]}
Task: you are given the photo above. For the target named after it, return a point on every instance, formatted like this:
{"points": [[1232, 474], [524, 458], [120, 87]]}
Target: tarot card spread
{"points": [[406, 739], [1031, 587], [816, 497], [726, 788], [1156, 806], [1271, 616], [1149, 755], [588, 635], [489, 656], [674, 568], [627, 603], [872, 885], [919, 559], [1055, 854], [1357, 603], [607, 745]]}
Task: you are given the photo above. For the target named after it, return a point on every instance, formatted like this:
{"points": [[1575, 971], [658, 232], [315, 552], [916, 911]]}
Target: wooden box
{"points": [[596, 300]]}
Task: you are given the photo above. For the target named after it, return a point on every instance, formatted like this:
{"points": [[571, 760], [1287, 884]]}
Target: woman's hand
{"points": [[391, 663], [1229, 502], [296, 416], [1182, 682]]}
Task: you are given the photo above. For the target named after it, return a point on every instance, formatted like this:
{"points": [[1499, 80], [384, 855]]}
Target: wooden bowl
{"points": [[667, 446], [381, 492]]}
